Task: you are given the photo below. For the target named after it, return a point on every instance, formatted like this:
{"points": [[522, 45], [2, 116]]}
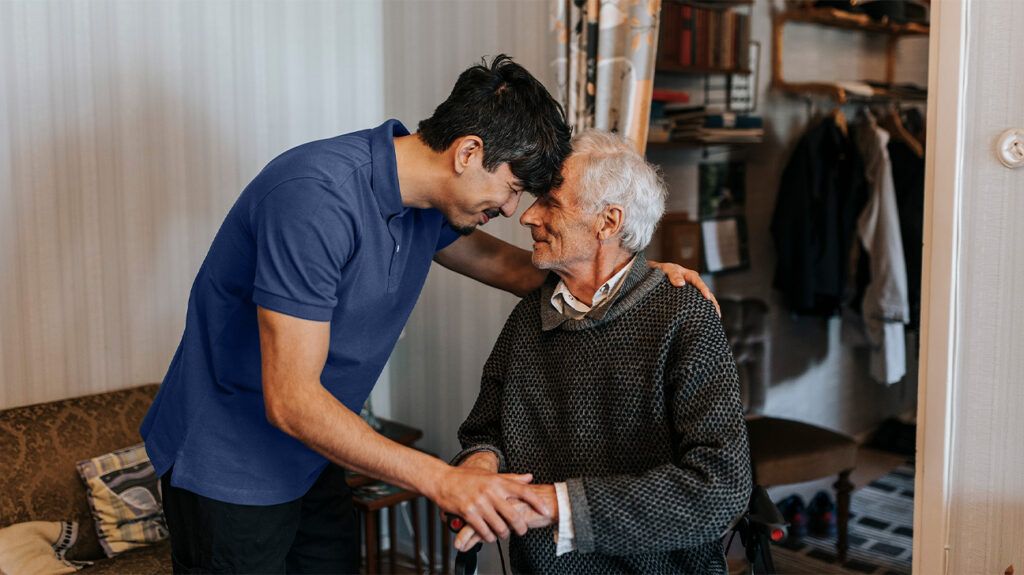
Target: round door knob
{"points": [[1010, 148]]}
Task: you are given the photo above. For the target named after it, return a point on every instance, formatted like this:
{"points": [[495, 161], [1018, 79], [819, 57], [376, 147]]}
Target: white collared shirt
{"points": [[568, 305]]}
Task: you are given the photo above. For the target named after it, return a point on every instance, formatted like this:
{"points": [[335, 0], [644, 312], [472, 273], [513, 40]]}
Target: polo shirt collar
{"points": [[385, 167]]}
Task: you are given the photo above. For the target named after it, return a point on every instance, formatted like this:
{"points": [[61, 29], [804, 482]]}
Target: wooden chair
{"points": [[783, 451]]}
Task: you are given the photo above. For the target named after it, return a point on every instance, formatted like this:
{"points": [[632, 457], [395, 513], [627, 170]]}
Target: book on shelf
{"points": [[660, 131], [730, 135], [673, 96], [678, 113], [685, 35], [667, 102], [732, 120]]}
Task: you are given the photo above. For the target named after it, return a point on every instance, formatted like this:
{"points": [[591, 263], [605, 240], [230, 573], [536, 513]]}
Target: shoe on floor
{"points": [[793, 510], [821, 515]]}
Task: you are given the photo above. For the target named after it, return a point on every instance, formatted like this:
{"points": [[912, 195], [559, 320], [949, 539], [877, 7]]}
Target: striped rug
{"points": [[881, 531]]}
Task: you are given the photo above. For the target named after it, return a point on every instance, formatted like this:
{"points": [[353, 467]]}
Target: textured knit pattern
{"points": [[637, 408]]}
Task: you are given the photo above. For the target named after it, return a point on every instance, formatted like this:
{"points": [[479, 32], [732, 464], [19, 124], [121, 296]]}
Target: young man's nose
{"points": [[510, 207]]}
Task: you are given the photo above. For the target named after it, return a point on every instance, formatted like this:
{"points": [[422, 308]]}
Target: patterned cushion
{"points": [[124, 495], [37, 547], [39, 445]]}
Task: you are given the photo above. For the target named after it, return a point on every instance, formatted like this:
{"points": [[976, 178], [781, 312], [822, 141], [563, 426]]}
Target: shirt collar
{"points": [[624, 298], [578, 309], [385, 167]]}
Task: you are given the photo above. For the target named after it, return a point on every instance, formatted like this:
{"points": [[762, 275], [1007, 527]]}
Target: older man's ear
{"points": [[610, 222]]}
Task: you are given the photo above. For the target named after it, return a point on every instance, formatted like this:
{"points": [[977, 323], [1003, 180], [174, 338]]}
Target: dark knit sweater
{"points": [[637, 408]]}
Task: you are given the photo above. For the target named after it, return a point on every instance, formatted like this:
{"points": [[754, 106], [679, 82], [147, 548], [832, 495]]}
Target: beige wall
{"points": [[436, 366], [986, 531], [127, 129]]}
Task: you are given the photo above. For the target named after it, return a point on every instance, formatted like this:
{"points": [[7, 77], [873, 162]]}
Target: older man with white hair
{"points": [[615, 390]]}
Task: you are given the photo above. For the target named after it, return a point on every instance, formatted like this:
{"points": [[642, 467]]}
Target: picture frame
{"points": [[721, 189], [724, 241], [681, 240]]}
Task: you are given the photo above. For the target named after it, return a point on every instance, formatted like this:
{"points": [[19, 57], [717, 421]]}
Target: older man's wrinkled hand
{"points": [[467, 537], [484, 499]]}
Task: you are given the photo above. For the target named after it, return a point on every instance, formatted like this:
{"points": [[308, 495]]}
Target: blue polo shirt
{"points": [[319, 234]]}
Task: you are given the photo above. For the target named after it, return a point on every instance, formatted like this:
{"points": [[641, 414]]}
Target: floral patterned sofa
{"points": [[39, 445]]}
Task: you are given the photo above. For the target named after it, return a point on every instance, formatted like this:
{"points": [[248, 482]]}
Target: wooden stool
{"points": [[784, 451], [370, 497]]}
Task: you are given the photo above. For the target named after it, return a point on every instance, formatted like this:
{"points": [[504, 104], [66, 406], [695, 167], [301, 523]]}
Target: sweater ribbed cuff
{"points": [[462, 455], [584, 539]]}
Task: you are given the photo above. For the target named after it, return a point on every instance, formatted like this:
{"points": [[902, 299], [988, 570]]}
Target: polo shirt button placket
{"points": [[393, 269]]}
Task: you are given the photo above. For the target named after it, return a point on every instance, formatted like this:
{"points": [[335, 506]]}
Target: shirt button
{"points": [[397, 248]]}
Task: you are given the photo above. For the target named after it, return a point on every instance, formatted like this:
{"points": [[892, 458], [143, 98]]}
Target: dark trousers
{"points": [[317, 533]]}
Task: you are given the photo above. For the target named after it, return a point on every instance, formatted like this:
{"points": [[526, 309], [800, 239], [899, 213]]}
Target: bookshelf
{"points": [[704, 45]]}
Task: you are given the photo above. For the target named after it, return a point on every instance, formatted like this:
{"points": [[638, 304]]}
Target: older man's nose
{"points": [[529, 216]]}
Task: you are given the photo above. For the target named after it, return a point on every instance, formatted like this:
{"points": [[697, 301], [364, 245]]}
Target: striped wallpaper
{"points": [[126, 131]]}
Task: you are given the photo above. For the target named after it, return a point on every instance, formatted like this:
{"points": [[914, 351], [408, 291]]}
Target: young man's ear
{"points": [[610, 222], [468, 150]]}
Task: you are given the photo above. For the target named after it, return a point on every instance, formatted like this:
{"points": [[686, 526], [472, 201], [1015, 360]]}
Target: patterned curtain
{"points": [[605, 63]]}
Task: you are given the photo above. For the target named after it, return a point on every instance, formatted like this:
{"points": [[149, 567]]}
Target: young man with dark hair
{"points": [[529, 148], [297, 307]]}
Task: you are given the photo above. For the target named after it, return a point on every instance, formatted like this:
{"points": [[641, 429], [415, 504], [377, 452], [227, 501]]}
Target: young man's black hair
{"points": [[515, 116]]}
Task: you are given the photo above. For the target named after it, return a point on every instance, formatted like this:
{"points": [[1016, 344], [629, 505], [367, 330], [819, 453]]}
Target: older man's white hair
{"points": [[613, 173]]}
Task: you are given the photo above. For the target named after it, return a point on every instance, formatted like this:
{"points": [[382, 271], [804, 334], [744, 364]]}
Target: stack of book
{"points": [[730, 128], [696, 125], [704, 38]]}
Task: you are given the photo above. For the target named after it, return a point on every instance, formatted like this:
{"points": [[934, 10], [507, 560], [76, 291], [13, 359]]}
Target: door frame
{"points": [[947, 82]]}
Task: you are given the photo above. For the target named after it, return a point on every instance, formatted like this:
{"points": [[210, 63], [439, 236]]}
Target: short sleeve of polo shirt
{"points": [[304, 237], [447, 237]]}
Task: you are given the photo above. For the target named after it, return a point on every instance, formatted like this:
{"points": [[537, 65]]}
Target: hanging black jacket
{"points": [[821, 194], [908, 178]]}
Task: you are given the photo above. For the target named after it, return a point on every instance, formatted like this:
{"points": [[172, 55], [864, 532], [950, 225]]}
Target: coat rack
{"points": [[834, 18]]}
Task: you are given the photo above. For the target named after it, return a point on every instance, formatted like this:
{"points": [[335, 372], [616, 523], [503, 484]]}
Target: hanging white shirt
{"points": [[885, 307]]}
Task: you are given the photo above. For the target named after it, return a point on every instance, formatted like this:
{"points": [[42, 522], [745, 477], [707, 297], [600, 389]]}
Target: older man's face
{"points": [[563, 234]]}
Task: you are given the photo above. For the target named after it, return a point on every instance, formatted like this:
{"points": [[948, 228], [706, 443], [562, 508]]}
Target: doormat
{"points": [[881, 532]]}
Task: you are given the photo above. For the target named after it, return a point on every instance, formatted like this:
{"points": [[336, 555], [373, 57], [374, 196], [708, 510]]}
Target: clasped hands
{"points": [[493, 503]]}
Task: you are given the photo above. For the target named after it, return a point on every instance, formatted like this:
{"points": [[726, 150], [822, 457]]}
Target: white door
{"points": [[969, 515]]}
